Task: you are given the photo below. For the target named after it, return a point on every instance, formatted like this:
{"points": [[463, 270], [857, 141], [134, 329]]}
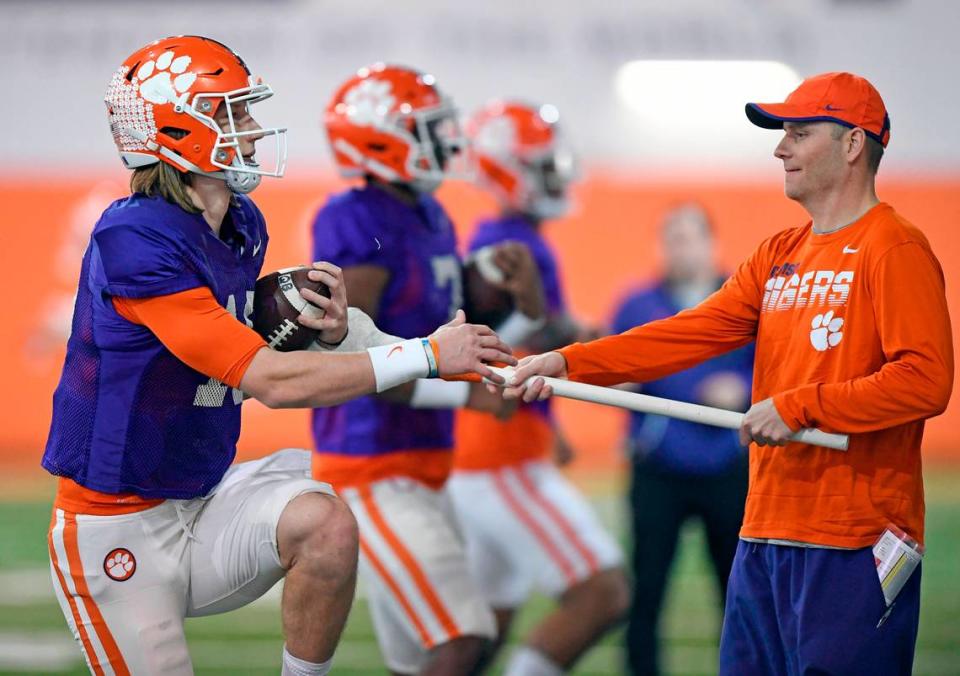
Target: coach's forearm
{"points": [[305, 379], [916, 381], [909, 389]]}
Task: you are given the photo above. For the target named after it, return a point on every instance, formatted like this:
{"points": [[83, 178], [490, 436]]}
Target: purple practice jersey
{"points": [[416, 245], [128, 416]]}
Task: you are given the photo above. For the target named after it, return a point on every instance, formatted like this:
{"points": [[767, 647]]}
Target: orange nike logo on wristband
{"points": [[398, 348]]}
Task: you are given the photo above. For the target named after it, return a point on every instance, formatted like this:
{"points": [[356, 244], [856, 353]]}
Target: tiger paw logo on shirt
{"points": [[825, 331]]}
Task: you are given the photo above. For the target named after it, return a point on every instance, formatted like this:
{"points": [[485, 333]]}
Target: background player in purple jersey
{"points": [[389, 456], [525, 525], [151, 524]]}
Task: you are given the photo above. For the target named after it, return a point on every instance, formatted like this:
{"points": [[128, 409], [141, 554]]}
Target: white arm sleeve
{"points": [[518, 327], [361, 334], [434, 393]]}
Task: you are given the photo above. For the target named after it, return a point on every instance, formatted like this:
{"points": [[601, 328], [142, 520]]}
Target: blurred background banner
{"points": [[606, 247]]}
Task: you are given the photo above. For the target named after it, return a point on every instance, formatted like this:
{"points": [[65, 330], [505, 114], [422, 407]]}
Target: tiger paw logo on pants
{"points": [[119, 564], [825, 331]]}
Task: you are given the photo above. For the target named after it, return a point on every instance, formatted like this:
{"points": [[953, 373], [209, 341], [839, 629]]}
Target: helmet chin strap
{"points": [[240, 182]]}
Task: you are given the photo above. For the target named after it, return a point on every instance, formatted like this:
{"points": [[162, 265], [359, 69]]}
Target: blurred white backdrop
{"points": [[57, 58]]}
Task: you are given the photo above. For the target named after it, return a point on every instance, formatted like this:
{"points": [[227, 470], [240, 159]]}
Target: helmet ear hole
{"points": [[174, 132]]}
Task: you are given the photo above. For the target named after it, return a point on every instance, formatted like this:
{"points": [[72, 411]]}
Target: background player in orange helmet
{"points": [[151, 524], [852, 335], [525, 525], [389, 456]]}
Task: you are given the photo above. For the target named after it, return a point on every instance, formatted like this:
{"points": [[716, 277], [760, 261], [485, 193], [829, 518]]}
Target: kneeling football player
{"points": [[151, 524]]}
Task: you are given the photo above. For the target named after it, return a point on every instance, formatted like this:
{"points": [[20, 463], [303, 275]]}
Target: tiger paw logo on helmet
{"points": [[825, 331], [369, 101], [497, 137], [156, 85], [392, 122], [163, 104], [120, 564], [519, 155]]}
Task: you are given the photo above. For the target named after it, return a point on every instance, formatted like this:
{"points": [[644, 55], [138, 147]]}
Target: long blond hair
{"points": [[164, 180]]}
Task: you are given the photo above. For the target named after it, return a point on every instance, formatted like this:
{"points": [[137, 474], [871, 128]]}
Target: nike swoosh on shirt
{"points": [[256, 249], [847, 249]]}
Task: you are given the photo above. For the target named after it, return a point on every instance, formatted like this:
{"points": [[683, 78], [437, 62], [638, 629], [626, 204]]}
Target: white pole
{"points": [[681, 410]]}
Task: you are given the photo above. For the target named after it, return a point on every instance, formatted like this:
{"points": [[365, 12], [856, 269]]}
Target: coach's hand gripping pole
{"points": [[644, 403]]}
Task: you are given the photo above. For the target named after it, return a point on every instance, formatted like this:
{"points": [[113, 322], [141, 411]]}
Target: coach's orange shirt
{"points": [[853, 336]]}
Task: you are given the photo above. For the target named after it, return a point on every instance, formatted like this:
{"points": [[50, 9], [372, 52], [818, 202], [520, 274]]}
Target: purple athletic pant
{"points": [[794, 611]]}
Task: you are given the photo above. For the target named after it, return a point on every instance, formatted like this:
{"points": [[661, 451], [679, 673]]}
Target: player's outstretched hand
{"points": [[468, 348], [333, 325], [524, 383], [763, 425]]}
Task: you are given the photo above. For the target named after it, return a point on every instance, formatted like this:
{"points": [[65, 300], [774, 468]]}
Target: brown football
{"points": [[483, 301], [277, 303]]}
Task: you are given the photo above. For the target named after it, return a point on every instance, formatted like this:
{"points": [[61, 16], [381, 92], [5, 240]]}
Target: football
{"points": [[483, 301], [277, 303]]}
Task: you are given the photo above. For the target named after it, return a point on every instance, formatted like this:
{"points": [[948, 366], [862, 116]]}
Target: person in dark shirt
{"points": [[682, 469]]}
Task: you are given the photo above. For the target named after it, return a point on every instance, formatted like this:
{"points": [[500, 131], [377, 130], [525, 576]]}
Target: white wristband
{"points": [[399, 363], [518, 327], [439, 394]]}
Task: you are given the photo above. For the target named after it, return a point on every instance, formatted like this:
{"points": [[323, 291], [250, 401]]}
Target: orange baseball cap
{"points": [[843, 98]]}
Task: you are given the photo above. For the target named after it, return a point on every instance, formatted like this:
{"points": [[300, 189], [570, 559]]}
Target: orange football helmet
{"points": [[394, 123], [161, 104], [518, 154]]}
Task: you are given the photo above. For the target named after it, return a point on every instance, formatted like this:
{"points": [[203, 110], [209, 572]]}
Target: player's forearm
{"points": [[305, 379], [361, 334]]}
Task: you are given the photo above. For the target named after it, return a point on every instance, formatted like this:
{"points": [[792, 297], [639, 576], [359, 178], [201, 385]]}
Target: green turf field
{"points": [[34, 637]]}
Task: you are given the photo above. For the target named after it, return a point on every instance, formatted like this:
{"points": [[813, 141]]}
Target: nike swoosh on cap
{"points": [[832, 109]]}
